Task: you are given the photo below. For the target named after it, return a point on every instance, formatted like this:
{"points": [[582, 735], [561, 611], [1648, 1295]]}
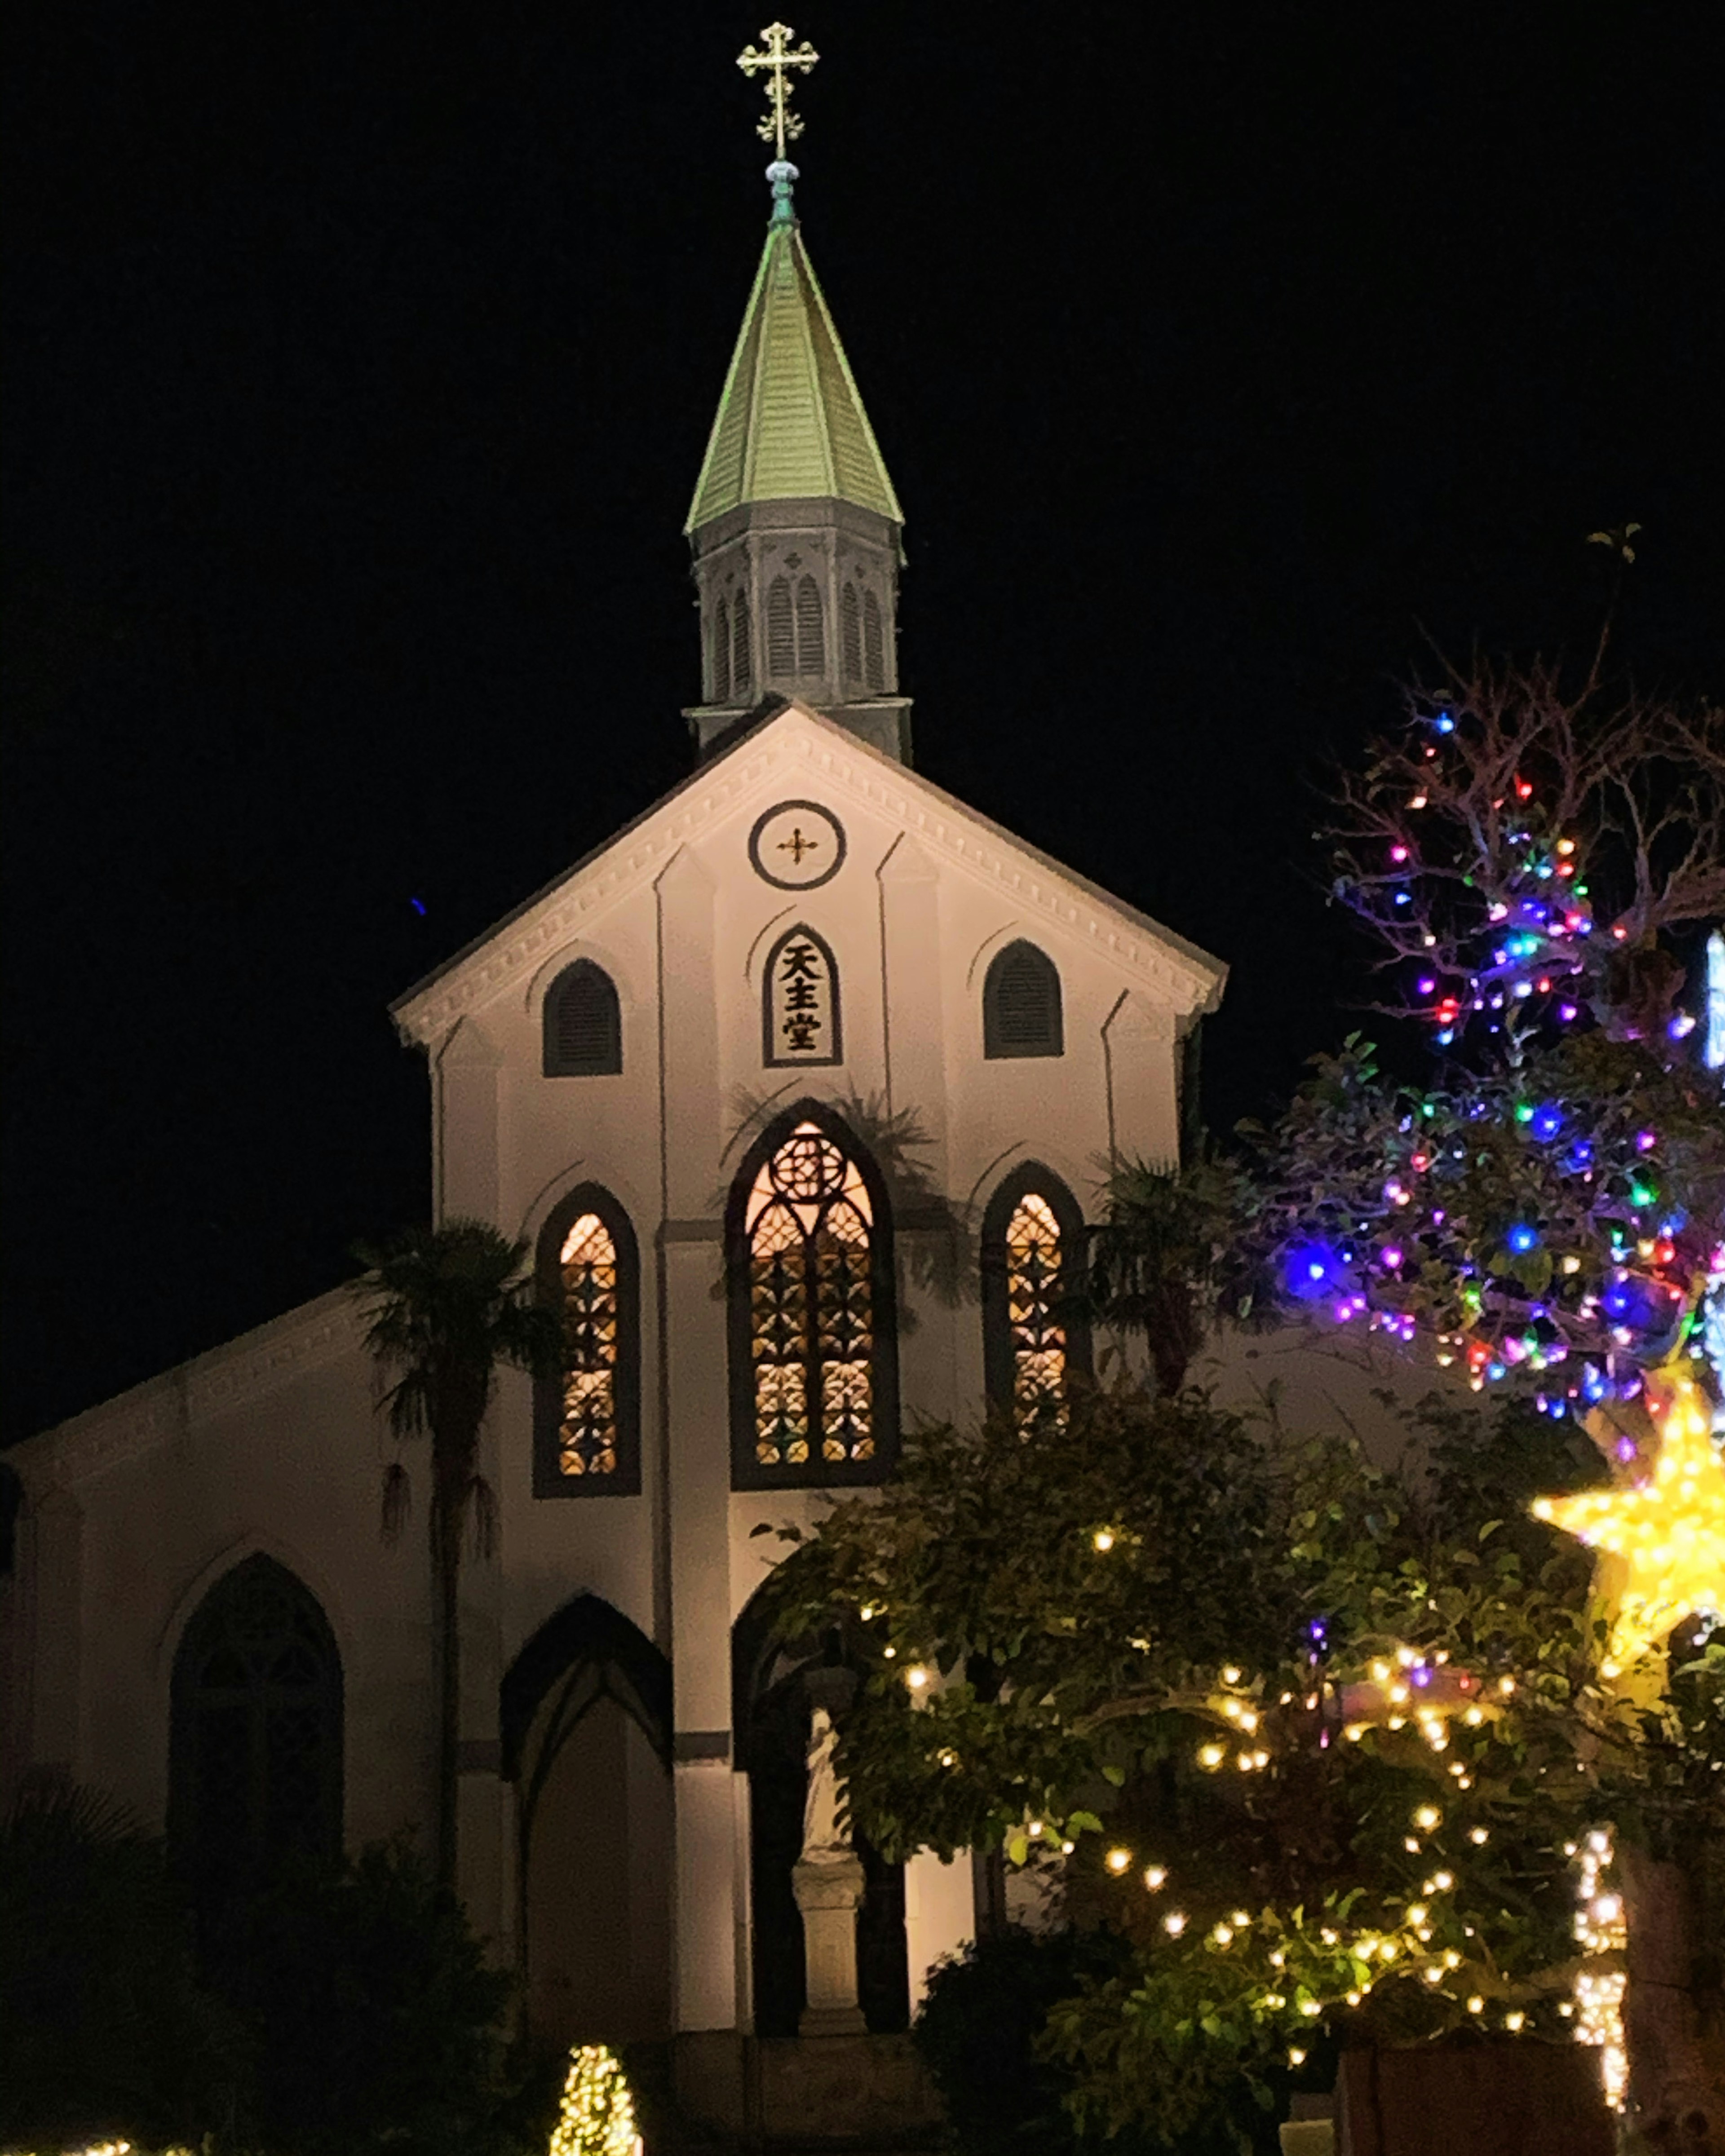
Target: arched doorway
{"points": [[771, 1707], [255, 1745], [586, 1726]]}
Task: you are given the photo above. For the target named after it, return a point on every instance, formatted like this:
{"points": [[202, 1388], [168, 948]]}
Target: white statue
{"points": [[825, 1840]]}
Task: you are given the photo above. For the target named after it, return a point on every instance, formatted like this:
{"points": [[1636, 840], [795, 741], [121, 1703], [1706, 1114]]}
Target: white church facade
{"points": [[800, 1090]]}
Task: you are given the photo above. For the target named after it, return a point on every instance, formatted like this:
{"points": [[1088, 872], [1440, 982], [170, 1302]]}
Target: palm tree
{"points": [[1158, 1260], [446, 1307]]}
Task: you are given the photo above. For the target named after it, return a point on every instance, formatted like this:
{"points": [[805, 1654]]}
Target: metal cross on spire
{"points": [[779, 124]]}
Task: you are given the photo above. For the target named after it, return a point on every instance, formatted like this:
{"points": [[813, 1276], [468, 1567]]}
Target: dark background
{"points": [[359, 363]]}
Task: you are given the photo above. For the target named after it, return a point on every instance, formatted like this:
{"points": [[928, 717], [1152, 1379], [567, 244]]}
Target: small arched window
{"points": [[875, 642], [781, 630], [813, 1376], [254, 1748], [742, 661], [811, 628], [1036, 1334], [584, 1025], [1021, 1004], [722, 653], [851, 629], [587, 1434]]}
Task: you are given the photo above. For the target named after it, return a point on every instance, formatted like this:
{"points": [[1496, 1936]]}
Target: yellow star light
{"points": [[1667, 1534]]}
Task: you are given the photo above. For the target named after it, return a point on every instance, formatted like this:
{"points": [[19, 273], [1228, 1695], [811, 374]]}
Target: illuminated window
{"points": [[587, 1436], [583, 1024], [1021, 1004], [1035, 1337], [813, 1392]]}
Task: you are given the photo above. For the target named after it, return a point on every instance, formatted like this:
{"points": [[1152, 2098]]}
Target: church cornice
{"points": [[191, 1395], [793, 741]]}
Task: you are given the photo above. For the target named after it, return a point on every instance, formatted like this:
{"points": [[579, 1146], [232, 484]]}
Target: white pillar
{"points": [[940, 1914], [828, 1896]]}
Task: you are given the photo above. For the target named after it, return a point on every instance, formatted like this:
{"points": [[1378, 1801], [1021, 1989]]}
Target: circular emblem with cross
{"points": [[797, 845]]}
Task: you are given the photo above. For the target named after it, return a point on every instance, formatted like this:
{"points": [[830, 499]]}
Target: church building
{"points": [[799, 1090]]}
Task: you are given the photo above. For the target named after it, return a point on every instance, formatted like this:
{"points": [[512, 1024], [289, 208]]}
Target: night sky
{"points": [[359, 362]]}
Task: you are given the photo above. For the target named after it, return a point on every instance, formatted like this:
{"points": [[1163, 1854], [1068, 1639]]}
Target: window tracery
{"points": [[586, 1412], [812, 1368], [587, 1435], [1036, 1335]]}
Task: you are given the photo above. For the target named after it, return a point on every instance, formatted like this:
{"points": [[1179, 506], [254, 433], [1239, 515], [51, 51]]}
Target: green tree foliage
{"points": [[1147, 1632], [104, 2027], [446, 1308]]}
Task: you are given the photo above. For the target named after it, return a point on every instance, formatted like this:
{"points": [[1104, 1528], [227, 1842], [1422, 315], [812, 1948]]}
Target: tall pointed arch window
{"points": [[1021, 1004], [1035, 1333], [814, 1370], [811, 628], [781, 629], [254, 1748], [850, 626], [873, 641], [742, 667], [582, 1024], [721, 648], [586, 1437]]}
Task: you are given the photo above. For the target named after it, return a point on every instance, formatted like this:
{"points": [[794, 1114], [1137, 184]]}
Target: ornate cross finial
{"points": [[779, 124]]}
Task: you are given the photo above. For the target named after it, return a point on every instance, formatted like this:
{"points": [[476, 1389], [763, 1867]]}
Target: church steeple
{"points": [[794, 526]]}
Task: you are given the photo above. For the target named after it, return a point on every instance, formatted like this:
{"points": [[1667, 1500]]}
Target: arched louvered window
{"points": [[1036, 1334], [720, 647], [1021, 1004], [742, 668], [874, 641], [587, 1433], [851, 629], [811, 628], [814, 1373], [583, 1026], [254, 1741], [781, 630]]}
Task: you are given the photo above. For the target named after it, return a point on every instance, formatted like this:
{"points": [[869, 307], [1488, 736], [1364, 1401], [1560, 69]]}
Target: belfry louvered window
{"points": [[584, 1025], [811, 631], [1035, 1337], [874, 641], [722, 653], [851, 620], [781, 630], [1021, 1004], [741, 663], [587, 1419], [813, 1380]]}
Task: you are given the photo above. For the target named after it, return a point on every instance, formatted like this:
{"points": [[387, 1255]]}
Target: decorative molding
{"points": [[801, 739], [193, 1394]]}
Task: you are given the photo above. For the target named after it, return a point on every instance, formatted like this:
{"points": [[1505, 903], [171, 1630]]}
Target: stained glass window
{"points": [[806, 1224], [254, 1774], [1035, 1333], [587, 1434], [1033, 1287], [587, 1439]]}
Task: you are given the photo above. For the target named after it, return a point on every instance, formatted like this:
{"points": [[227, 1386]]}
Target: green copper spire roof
{"points": [[790, 424]]}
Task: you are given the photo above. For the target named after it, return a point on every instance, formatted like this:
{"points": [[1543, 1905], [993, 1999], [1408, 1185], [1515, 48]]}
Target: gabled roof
{"points": [[790, 424], [786, 737]]}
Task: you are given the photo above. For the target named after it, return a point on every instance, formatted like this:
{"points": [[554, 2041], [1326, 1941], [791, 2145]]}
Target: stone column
{"points": [[830, 1896]]}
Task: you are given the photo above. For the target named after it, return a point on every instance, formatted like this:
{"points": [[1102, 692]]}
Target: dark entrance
{"points": [[772, 1709]]}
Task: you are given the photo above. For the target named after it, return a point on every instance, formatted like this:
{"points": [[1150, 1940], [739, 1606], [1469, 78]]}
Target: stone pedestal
{"points": [[828, 1896]]}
